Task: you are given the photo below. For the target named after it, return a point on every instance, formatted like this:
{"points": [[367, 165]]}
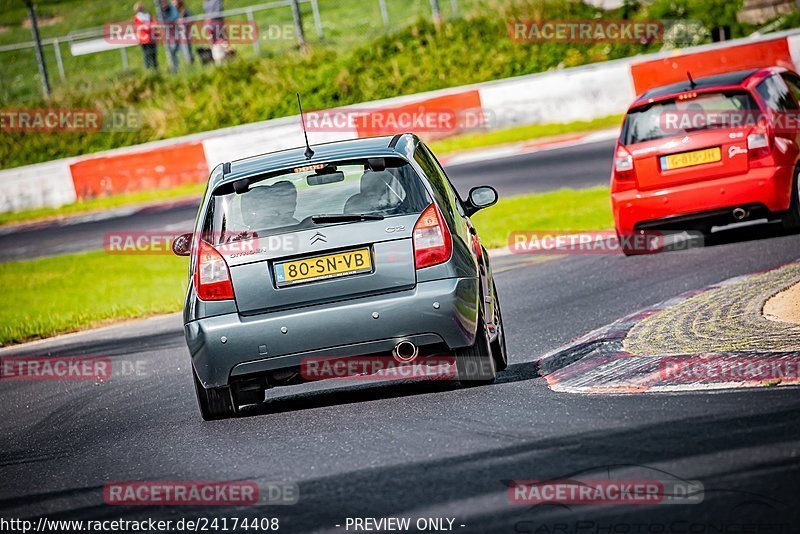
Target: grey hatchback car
{"points": [[357, 248]]}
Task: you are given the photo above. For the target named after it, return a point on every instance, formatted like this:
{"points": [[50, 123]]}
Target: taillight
{"points": [[623, 161], [758, 142], [212, 280], [624, 175], [432, 241]]}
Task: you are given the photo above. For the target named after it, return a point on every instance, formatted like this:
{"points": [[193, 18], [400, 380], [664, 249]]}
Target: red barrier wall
{"points": [[657, 72], [157, 168]]}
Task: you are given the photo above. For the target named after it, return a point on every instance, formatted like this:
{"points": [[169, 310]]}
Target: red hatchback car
{"points": [[709, 152]]}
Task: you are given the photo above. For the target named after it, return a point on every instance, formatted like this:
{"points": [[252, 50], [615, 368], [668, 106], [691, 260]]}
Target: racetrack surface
{"points": [[575, 166], [423, 449]]}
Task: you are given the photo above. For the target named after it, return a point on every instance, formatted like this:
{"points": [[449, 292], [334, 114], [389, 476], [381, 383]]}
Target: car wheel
{"points": [[215, 403], [499, 344], [475, 364], [791, 218]]}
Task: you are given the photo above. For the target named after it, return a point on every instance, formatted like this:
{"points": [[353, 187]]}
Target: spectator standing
{"points": [[143, 26], [185, 27], [169, 18], [216, 24]]}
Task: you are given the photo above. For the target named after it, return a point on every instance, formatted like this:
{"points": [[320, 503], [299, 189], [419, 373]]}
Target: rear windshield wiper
{"points": [[345, 217]]}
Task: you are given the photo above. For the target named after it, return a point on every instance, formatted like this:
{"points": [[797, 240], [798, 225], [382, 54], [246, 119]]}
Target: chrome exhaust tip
{"points": [[405, 351], [740, 214]]}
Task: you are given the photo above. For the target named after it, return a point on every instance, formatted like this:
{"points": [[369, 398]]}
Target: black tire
{"points": [[499, 344], [214, 403], [791, 218], [475, 364]]}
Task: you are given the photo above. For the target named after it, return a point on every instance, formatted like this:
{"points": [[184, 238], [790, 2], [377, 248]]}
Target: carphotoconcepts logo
{"points": [[70, 120], [587, 31], [600, 242], [200, 493], [726, 369], [609, 492], [190, 32], [231, 245], [379, 368]]}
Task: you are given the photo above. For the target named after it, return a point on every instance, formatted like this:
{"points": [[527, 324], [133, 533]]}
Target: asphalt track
{"points": [[424, 449], [576, 166]]}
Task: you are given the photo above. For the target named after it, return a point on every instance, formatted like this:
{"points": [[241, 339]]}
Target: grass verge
{"points": [[444, 146], [49, 296], [562, 210]]}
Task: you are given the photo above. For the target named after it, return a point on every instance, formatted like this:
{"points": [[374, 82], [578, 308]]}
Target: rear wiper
{"points": [[345, 217]]}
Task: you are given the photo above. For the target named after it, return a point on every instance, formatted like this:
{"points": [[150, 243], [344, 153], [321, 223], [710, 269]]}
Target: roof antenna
{"points": [[308, 153], [692, 85]]}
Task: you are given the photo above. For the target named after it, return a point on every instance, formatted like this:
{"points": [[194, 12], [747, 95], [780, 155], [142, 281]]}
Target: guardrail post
{"points": [[252, 20], [298, 25], [317, 19], [37, 41], [384, 12], [59, 62]]}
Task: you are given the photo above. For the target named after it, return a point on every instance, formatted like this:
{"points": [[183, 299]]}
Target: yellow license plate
{"points": [[323, 267], [689, 159]]}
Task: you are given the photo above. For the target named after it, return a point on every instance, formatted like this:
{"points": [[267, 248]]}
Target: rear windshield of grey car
{"points": [[287, 201]]}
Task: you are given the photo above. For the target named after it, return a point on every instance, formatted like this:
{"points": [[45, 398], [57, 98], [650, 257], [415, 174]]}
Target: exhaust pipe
{"points": [[405, 351], [740, 214]]}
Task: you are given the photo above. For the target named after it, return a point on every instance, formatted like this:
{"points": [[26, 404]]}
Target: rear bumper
{"points": [[256, 344], [768, 187]]}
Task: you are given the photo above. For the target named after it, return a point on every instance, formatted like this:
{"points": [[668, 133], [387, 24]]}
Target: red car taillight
{"points": [[624, 173], [212, 280], [758, 143], [433, 243]]}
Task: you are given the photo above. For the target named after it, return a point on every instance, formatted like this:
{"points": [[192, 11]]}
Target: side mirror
{"points": [[182, 245], [481, 197]]}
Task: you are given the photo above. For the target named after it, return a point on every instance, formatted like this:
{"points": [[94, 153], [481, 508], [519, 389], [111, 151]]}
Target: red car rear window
{"points": [[679, 116]]}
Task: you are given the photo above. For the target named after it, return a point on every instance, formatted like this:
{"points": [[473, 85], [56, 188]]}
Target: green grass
{"points": [[49, 296], [413, 59], [520, 133], [103, 203], [563, 210]]}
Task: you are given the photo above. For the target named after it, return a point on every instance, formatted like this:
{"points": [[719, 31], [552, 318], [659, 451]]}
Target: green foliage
{"points": [[416, 59]]}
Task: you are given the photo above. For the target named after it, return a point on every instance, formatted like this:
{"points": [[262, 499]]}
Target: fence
{"points": [[86, 54]]}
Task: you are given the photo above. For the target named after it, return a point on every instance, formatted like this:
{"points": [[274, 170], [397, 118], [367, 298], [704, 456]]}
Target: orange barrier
{"points": [[658, 72], [436, 117], [158, 168]]}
